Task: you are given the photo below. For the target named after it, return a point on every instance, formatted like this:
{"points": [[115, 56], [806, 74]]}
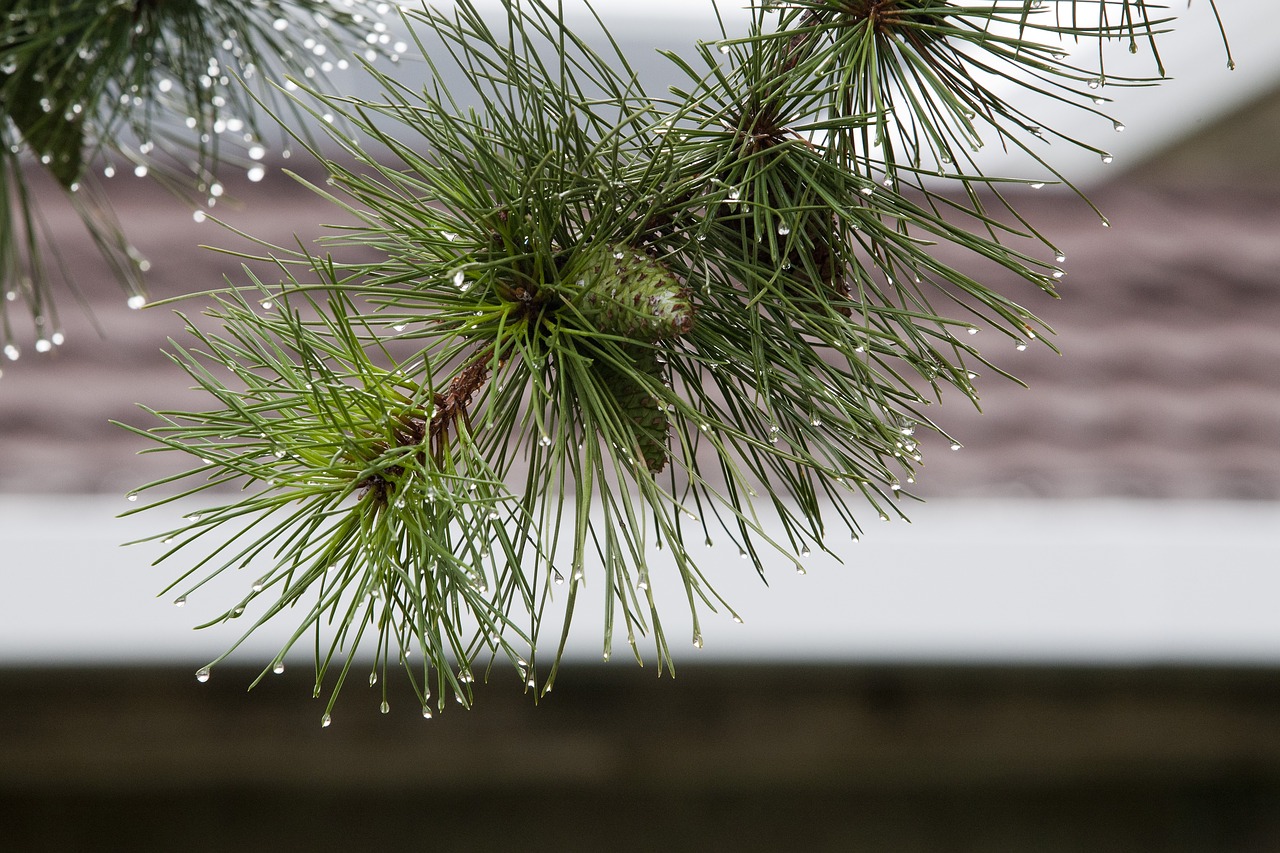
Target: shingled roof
{"points": [[1168, 386]]}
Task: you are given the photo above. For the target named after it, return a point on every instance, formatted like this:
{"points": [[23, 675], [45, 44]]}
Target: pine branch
{"points": [[618, 318], [163, 88]]}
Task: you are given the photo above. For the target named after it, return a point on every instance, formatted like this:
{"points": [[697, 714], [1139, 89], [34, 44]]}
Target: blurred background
{"points": [[1073, 646]]}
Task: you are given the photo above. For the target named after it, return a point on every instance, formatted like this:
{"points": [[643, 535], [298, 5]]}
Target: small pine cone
{"points": [[630, 294], [642, 410]]}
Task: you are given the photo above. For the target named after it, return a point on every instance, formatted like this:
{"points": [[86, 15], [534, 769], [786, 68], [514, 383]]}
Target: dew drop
{"points": [[723, 47], [1038, 185], [545, 441], [326, 721], [180, 601], [956, 445], [373, 678], [697, 640], [1107, 158], [1060, 258], [458, 278], [11, 352], [278, 668], [1119, 127], [426, 712], [256, 173], [742, 553], [559, 578], [1022, 346], [136, 301], [784, 229], [132, 496], [972, 331], [385, 707], [202, 674]]}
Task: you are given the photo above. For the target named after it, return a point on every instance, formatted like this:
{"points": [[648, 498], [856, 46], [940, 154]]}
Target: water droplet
{"points": [[58, 339], [426, 712], [140, 170], [261, 583], [278, 668], [202, 674], [459, 277], [559, 578], [723, 47], [11, 352], [1119, 127], [697, 640], [972, 331], [804, 551], [1107, 158], [955, 445], [385, 707], [815, 420], [742, 553], [545, 441], [1093, 84], [326, 721], [1038, 185], [180, 601], [897, 487], [784, 229], [132, 496], [1022, 346], [1060, 258], [136, 301]]}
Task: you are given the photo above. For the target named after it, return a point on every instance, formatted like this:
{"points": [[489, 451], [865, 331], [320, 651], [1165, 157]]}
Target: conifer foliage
{"points": [[601, 321], [94, 88]]}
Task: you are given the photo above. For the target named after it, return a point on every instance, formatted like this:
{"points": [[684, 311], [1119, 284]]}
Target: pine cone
{"points": [[642, 410], [628, 293]]}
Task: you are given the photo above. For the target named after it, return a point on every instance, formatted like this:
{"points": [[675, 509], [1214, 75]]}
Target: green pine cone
{"points": [[641, 409], [628, 293]]}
